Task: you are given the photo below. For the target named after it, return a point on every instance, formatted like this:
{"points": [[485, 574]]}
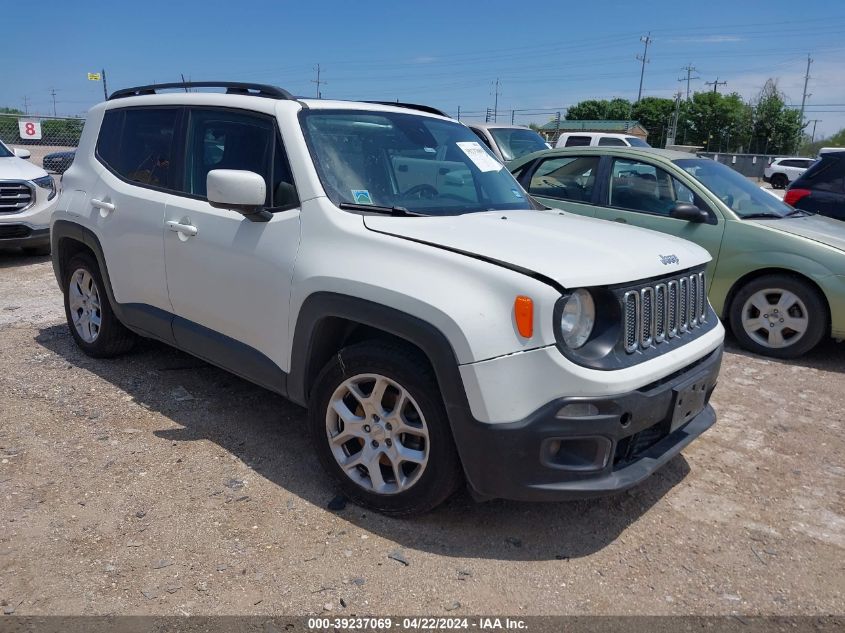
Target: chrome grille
{"points": [[15, 196], [657, 313]]}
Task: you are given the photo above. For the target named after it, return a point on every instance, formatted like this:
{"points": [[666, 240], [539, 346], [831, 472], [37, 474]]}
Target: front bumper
{"points": [[551, 455], [22, 235]]}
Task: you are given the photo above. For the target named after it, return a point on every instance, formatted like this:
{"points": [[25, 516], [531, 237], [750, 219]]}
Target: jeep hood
{"points": [[14, 168], [570, 249], [814, 227]]}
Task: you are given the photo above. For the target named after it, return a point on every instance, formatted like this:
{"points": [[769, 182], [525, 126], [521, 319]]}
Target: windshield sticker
{"points": [[517, 193], [477, 155], [361, 196]]}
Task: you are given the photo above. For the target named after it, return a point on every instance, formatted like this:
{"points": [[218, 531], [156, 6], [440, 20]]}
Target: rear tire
{"points": [[92, 322], [380, 429], [778, 316], [780, 181]]}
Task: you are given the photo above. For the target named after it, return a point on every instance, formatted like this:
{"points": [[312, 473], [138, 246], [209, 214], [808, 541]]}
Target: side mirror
{"points": [[688, 212], [242, 191], [22, 153]]}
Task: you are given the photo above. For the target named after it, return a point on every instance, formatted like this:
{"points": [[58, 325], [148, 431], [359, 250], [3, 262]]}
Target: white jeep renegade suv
{"points": [[378, 265]]}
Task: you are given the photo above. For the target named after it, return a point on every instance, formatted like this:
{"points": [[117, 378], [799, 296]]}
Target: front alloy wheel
{"points": [[377, 434], [380, 429]]}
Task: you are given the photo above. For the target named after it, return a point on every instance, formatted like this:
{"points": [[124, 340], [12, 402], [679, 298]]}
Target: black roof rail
{"points": [[232, 88], [411, 106]]}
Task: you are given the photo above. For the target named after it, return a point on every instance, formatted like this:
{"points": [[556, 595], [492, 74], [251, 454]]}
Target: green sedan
{"points": [[777, 274]]}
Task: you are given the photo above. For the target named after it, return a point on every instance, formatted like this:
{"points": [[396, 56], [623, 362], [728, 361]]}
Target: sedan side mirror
{"points": [[240, 190], [688, 212], [22, 153]]}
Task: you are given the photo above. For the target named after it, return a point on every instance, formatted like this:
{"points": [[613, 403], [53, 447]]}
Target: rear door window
{"points": [[566, 178], [612, 141], [826, 175], [137, 144]]}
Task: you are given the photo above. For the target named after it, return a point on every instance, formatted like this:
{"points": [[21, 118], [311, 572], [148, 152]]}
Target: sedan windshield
{"points": [[415, 163], [514, 142], [745, 198]]}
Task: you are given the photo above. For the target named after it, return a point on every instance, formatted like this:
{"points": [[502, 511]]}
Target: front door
{"points": [[642, 194], [229, 278]]}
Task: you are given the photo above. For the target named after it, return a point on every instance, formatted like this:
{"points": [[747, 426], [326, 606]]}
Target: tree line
{"points": [[716, 122]]}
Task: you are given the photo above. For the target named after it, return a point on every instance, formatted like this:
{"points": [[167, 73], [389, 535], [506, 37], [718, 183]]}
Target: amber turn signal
{"points": [[523, 310]]}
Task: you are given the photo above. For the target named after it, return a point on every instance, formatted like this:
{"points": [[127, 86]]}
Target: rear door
{"points": [[229, 278], [643, 194], [126, 207]]}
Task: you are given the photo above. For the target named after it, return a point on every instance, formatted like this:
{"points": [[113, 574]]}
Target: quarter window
{"points": [[566, 178], [612, 141], [137, 144], [578, 141]]}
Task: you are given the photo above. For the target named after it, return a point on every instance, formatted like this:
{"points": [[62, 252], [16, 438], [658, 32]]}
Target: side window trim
{"points": [[177, 130]]}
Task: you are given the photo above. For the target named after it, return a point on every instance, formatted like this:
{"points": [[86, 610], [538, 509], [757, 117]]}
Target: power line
{"points": [[646, 40]]}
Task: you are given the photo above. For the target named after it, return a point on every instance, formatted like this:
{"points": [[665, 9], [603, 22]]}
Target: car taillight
{"points": [[794, 195]]}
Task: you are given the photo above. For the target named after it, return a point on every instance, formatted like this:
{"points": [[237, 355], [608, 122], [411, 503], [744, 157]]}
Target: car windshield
{"points": [[420, 164], [744, 197], [5, 152], [633, 141], [514, 142]]}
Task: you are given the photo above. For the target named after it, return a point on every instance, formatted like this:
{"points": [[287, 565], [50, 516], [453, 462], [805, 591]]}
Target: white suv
{"points": [[27, 199], [782, 171], [378, 265]]}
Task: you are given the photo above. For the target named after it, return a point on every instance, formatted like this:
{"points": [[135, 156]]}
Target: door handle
{"points": [[184, 229], [104, 207], [621, 220]]}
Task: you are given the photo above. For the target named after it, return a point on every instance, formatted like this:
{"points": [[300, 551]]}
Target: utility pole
{"points": [[53, 94], [716, 84], [513, 114], [670, 140], [690, 70], [488, 116], [459, 113], [26, 104], [557, 127], [813, 136], [496, 100], [646, 40], [105, 89], [806, 80], [319, 82]]}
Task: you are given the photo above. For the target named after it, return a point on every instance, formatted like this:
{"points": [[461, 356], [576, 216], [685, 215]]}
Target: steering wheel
{"points": [[420, 190]]}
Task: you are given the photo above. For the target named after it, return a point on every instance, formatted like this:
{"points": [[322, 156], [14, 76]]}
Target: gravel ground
{"points": [[157, 484]]}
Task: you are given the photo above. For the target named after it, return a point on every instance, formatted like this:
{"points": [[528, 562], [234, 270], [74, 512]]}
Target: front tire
{"points": [[380, 429], [92, 322], [780, 181], [778, 316]]}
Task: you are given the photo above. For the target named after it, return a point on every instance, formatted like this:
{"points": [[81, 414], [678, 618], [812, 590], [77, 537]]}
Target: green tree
{"points": [[717, 122], [776, 128], [617, 109], [812, 149], [655, 114]]}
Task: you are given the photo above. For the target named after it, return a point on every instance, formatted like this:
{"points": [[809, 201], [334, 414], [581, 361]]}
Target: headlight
{"points": [[47, 182], [577, 318]]}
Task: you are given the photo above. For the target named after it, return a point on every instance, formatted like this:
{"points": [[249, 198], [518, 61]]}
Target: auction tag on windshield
{"points": [[477, 155], [361, 196]]}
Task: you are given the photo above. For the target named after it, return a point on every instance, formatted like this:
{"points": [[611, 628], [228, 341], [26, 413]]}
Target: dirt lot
{"points": [[158, 484]]}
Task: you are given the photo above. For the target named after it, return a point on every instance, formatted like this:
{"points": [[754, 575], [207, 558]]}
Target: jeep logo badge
{"points": [[669, 259]]}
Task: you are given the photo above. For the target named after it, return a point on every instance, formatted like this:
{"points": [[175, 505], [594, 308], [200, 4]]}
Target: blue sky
{"points": [[447, 54]]}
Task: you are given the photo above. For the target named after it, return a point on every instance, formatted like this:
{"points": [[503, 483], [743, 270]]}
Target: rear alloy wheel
{"points": [[778, 316], [380, 429], [92, 322]]}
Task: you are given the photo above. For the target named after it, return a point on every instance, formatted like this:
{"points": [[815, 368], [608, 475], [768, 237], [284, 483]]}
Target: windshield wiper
{"points": [[401, 212], [755, 216]]}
